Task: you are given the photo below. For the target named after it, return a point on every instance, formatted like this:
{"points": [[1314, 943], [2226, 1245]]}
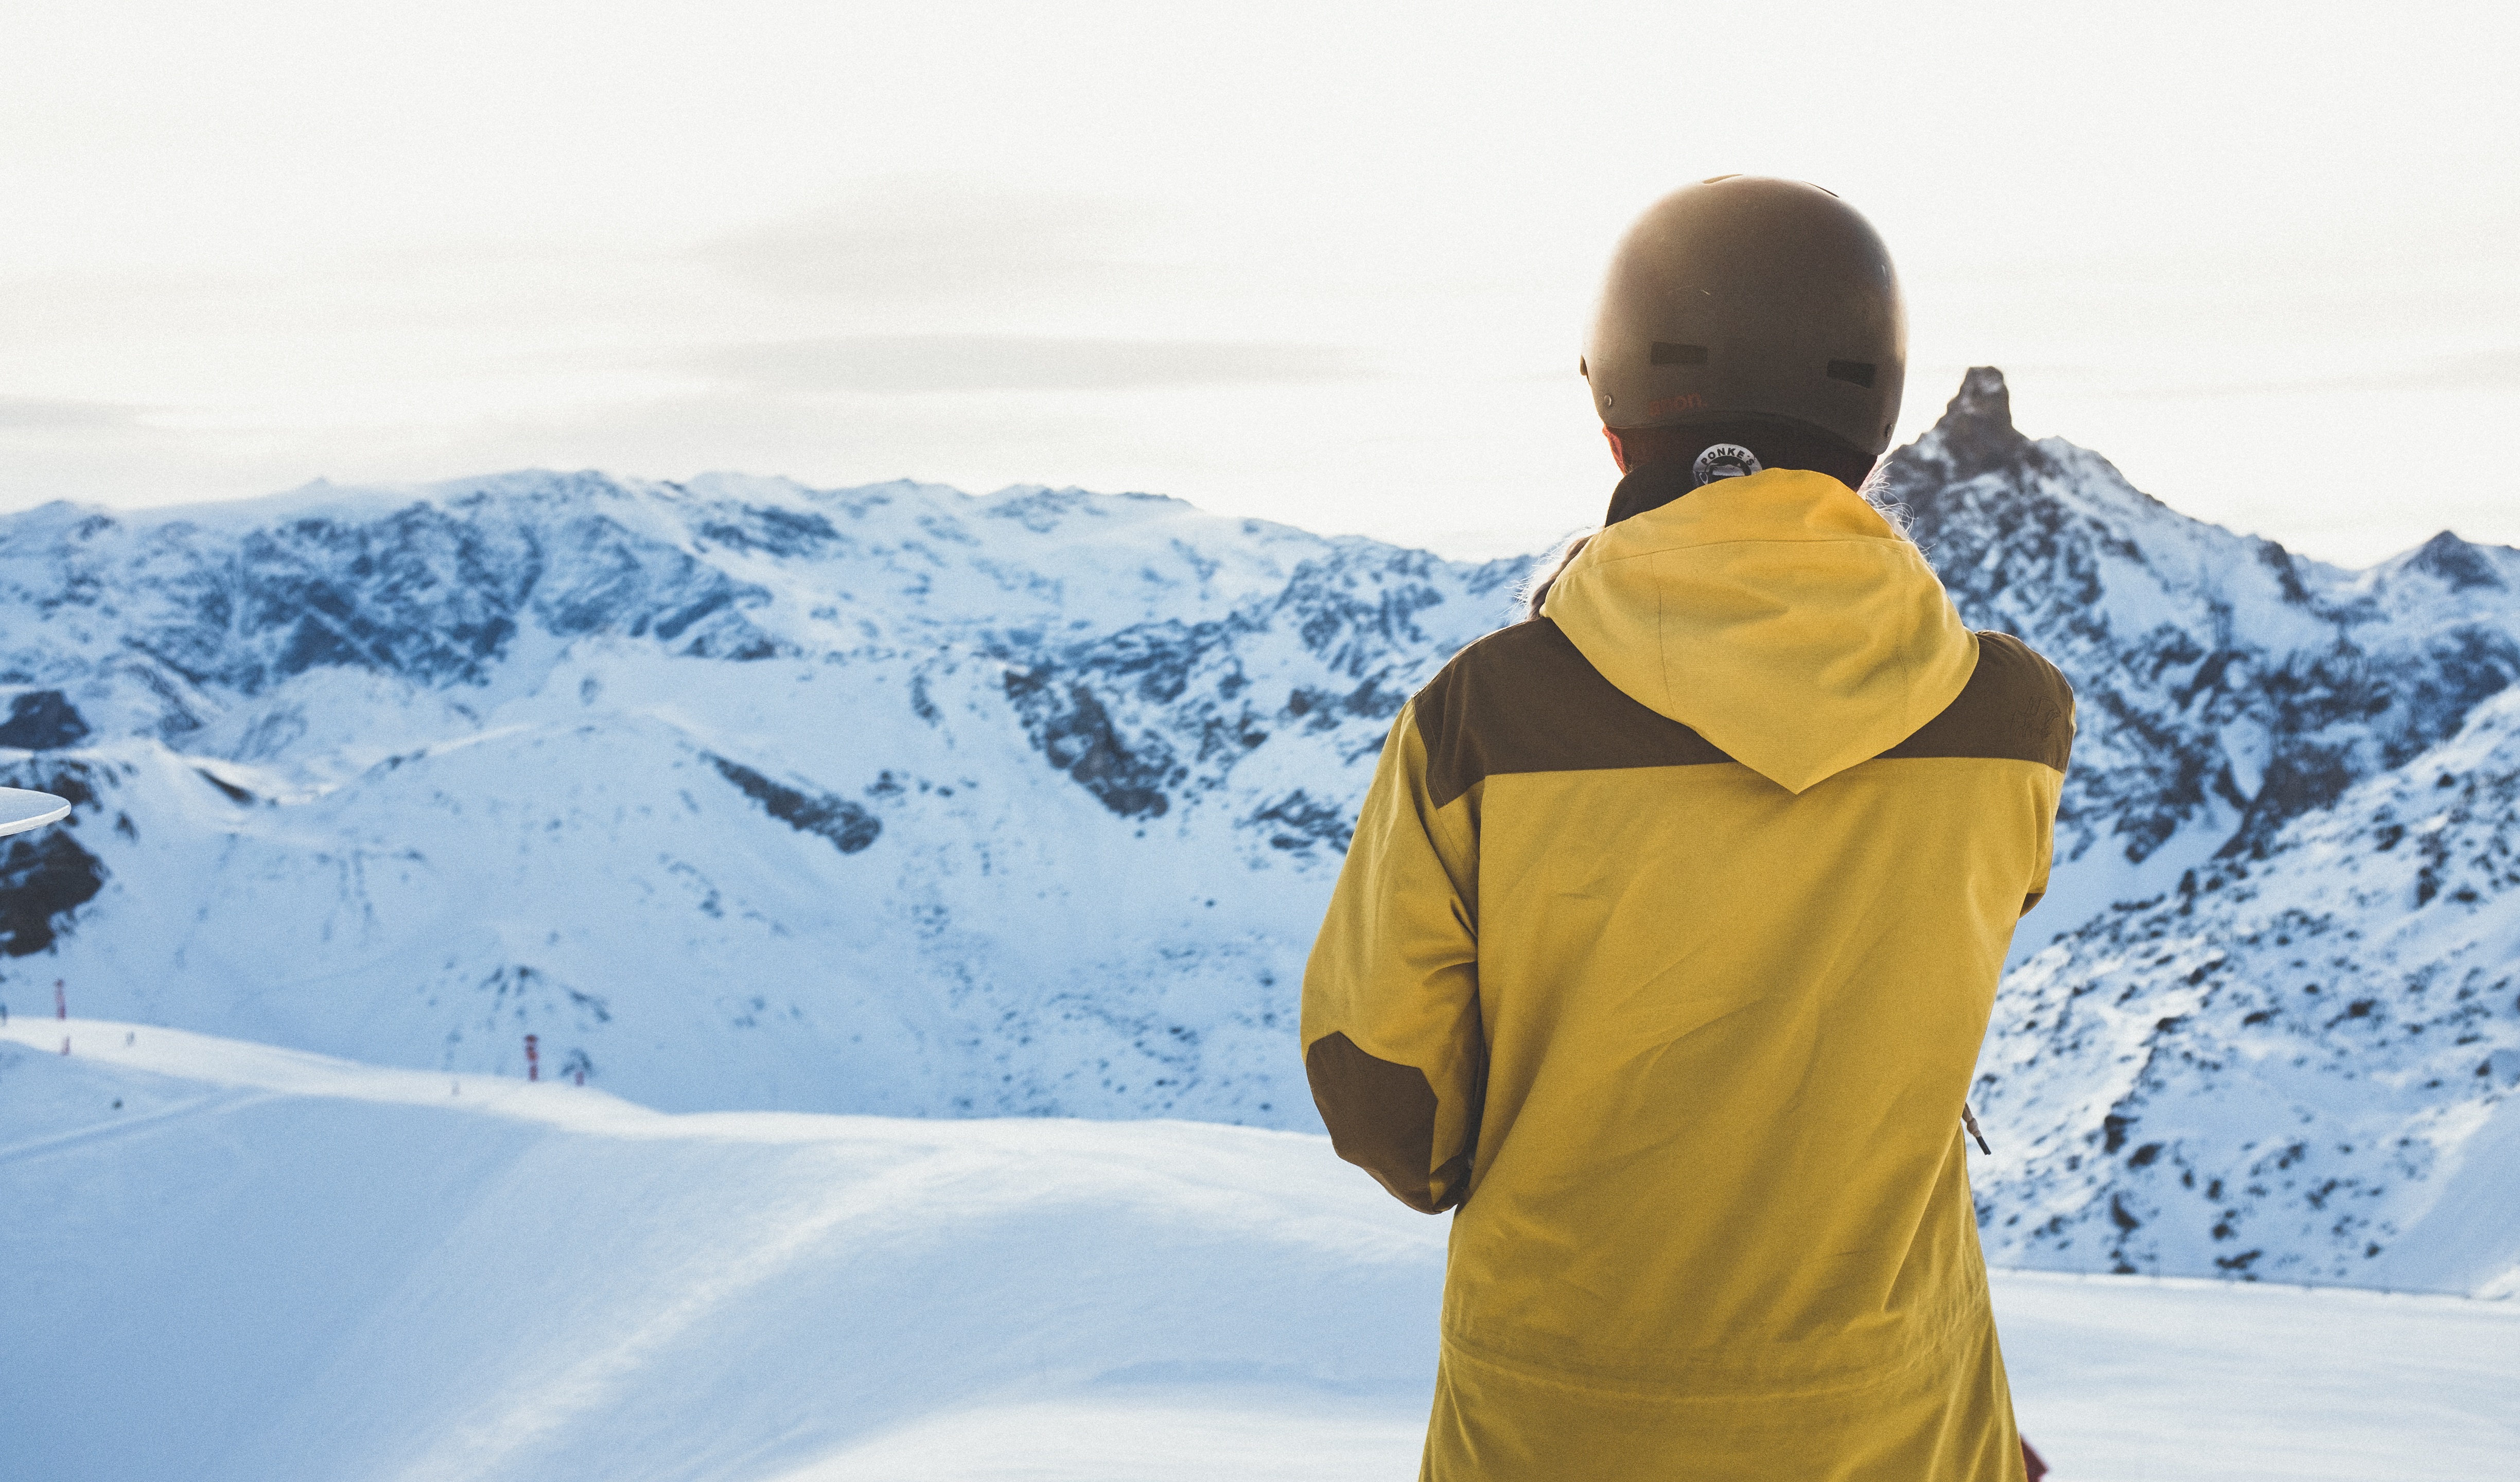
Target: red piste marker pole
{"points": [[533, 1060]]}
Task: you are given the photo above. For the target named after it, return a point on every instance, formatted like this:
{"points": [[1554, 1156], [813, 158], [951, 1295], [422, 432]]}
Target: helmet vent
{"points": [[1667, 353], [1860, 371]]}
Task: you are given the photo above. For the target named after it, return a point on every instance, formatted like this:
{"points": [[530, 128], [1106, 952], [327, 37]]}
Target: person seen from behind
{"points": [[1673, 919]]}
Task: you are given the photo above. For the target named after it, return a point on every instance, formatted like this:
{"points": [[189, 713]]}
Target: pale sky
{"points": [[1327, 264]]}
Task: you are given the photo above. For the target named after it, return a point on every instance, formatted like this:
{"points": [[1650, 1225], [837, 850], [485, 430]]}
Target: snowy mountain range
{"points": [[2270, 1023], [736, 793]]}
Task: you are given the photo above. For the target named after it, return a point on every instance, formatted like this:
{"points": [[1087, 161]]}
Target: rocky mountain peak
{"points": [[1976, 433], [2456, 561], [1983, 396]]}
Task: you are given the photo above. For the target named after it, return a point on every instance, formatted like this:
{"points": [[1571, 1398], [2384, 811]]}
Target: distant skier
{"points": [[1672, 921]]}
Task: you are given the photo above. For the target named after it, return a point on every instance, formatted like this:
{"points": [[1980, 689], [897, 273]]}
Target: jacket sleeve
{"points": [[1392, 1043], [2059, 746], [2044, 860]]}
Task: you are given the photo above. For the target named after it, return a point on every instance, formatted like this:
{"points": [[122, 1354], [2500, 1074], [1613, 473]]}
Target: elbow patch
{"points": [[1381, 1117]]}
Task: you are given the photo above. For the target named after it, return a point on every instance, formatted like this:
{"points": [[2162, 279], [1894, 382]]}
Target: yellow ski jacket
{"points": [[1663, 950]]}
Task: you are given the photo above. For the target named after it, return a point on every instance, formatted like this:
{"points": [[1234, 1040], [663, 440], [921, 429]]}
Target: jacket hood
{"points": [[1778, 616]]}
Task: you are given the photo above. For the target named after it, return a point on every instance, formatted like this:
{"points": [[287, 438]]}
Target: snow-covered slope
{"points": [[2268, 1023], [2296, 1063], [739, 794], [227, 1261], [735, 793]]}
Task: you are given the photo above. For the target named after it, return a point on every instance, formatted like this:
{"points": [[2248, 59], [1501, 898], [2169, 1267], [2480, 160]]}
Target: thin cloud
{"points": [[2482, 367], [917, 363], [943, 238], [43, 414], [2475, 370]]}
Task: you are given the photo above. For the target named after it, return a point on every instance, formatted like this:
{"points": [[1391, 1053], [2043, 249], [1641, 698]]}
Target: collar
{"points": [[1648, 488]]}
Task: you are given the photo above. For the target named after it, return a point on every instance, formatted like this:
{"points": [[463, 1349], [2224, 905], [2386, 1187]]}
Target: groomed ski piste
{"points": [[228, 1261]]}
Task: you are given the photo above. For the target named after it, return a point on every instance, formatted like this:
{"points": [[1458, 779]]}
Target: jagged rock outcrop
{"points": [[2224, 685]]}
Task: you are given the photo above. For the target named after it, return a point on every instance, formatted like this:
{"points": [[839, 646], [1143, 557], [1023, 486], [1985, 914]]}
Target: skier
{"points": [[1672, 921]]}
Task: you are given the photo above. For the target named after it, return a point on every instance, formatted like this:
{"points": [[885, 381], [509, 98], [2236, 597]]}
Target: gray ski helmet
{"points": [[1749, 297]]}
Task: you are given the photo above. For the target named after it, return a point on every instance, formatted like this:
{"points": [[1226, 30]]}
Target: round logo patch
{"points": [[1725, 459]]}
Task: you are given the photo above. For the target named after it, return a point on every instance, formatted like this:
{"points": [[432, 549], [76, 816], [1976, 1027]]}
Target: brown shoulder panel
{"points": [[2016, 706], [1526, 700], [1381, 1117]]}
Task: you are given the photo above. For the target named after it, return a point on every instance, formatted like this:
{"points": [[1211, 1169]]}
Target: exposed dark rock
{"points": [[45, 877], [1071, 727], [777, 532], [229, 790], [42, 720], [849, 826], [1355, 611], [1977, 428], [2456, 561], [1299, 822]]}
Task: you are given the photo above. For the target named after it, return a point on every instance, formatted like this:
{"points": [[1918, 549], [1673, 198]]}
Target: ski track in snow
{"points": [[268, 1265]]}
